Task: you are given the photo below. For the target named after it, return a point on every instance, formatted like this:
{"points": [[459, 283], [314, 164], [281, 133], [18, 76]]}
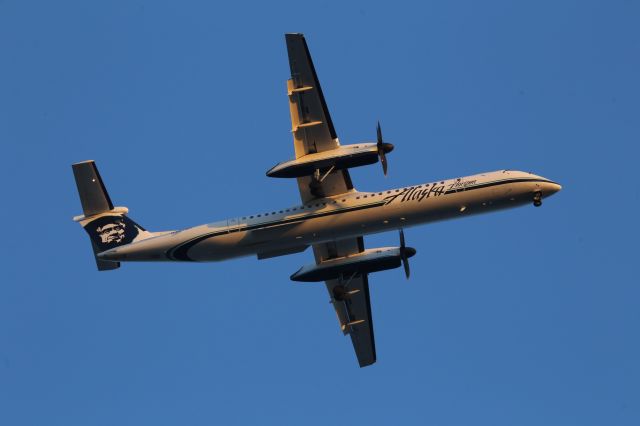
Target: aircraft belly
{"points": [[220, 247]]}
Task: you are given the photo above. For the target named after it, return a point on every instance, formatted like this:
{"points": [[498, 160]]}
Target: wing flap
{"points": [[311, 122], [354, 315], [351, 300], [307, 99]]}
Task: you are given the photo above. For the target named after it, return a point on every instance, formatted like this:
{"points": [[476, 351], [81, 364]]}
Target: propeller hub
{"points": [[387, 147], [409, 252]]}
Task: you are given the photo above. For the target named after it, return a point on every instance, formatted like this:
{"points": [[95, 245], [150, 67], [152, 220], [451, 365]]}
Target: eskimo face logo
{"points": [[112, 232]]}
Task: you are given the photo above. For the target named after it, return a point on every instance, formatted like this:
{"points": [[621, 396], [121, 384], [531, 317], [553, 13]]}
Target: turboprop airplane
{"points": [[332, 218]]}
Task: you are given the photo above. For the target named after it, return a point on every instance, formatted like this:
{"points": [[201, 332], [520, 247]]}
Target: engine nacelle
{"points": [[343, 157], [371, 260]]}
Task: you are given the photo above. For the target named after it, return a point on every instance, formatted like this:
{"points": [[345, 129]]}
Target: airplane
{"points": [[332, 216]]}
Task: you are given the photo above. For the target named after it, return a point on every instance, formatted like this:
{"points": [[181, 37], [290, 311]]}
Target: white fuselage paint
{"points": [[334, 218]]}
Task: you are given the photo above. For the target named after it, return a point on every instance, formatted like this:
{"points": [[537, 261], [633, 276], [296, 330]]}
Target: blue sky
{"points": [[523, 317]]}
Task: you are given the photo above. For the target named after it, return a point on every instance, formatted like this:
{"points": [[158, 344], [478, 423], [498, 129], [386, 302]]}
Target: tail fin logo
{"points": [[112, 232]]}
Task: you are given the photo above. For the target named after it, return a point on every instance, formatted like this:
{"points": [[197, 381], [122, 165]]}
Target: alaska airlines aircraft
{"points": [[332, 218]]}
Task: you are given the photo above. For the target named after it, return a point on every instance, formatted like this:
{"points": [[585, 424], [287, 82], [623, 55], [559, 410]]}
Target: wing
{"points": [[313, 132], [354, 312], [311, 123]]}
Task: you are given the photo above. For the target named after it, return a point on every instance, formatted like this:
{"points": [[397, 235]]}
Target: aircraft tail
{"points": [[107, 226]]}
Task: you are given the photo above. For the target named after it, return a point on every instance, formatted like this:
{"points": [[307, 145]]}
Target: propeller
{"points": [[405, 254], [383, 149]]}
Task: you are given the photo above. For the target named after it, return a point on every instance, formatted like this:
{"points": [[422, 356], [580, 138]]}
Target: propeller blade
{"points": [[383, 160], [405, 263], [381, 149], [405, 254]]}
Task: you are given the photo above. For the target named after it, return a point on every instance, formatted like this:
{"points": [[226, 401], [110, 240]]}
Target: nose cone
{"points": [[546, 186], [550, 188]]}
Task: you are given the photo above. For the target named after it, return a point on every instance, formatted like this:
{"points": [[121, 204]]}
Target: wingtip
{"points": [[367, 363], [83, 162]]}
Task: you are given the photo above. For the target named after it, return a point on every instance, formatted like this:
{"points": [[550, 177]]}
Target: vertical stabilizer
{"points": [[107, 226], [93, 195]]}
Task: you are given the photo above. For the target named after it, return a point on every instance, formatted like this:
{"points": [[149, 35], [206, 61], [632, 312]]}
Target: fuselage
{"points": [[292, 229]]}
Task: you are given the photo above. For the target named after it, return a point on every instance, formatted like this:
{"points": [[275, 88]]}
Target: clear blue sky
{"points": [[523, 317]]}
